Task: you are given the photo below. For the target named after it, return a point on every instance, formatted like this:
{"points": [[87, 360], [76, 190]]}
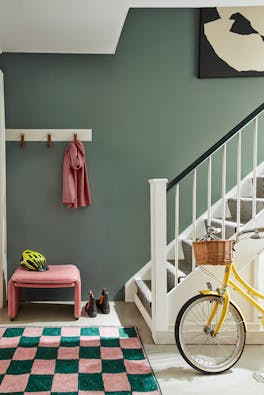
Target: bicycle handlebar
{"points": [[256, 232]]}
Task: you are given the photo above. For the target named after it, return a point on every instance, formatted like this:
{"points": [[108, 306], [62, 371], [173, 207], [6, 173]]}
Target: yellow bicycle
{"points": [[210, 330]]}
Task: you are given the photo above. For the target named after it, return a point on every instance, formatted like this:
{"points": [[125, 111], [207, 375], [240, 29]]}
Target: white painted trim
{"points": [[209, 191], [168, 337], [238, 179], [158, 224], [177, 224], [143, 312], [255, 163], [194, 213], [42, 134], [3, 236], [223, 190]]}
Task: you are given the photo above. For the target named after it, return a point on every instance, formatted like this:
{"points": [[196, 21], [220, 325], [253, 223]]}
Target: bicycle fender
{"points": [[208, 292], [215, 293]]}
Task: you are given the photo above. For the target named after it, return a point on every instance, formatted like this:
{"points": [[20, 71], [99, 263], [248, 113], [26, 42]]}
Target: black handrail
{"points": [[215, 147]]}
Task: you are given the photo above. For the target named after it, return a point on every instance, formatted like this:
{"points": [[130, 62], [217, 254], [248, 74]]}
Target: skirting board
{"points": [[42, 134]]}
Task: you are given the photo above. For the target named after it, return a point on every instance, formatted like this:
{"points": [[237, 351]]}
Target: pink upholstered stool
{"points": [[58, 276]]}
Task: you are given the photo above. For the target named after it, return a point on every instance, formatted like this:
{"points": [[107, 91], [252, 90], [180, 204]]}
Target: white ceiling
{"points": [[77, 26]]}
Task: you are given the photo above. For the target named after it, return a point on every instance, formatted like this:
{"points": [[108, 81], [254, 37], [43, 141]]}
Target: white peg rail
{"points": [[42, 134]]}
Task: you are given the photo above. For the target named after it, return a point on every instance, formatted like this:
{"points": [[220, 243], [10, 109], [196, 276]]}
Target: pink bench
{"points": [[58, 276]]}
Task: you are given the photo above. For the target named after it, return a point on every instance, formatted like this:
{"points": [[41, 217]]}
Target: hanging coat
{"points": [[76, 190]]}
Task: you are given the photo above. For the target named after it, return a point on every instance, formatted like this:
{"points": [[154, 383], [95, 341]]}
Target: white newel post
{"points": [[3, 248], [158, 221]]}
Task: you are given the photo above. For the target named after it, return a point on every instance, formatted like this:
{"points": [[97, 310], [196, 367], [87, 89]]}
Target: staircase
{"points": [[164, 284]]}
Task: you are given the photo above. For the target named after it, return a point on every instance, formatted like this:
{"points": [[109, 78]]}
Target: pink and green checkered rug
{"points": [[74, 360]]}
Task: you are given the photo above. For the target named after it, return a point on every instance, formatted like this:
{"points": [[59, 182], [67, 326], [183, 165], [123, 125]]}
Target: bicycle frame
{"points": [[230, 269]]}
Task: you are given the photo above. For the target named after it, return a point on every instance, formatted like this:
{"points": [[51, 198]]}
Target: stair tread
{"points": [[184, 268], [144, 283], [246, 204], [228, 221], [247, 199]]}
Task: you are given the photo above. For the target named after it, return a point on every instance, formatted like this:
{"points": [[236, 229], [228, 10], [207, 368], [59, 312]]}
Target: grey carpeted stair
{"points": [[230, 226], [144, 293], [260, 187], [187, 250], [144, 286], [245, 207]]}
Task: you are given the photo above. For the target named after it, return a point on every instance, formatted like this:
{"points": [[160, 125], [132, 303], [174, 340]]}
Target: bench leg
{"points": [[77, 299], [13, 299]]}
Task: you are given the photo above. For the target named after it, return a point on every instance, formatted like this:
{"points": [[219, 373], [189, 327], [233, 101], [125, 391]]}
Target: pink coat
{"points": [[76, 190]]}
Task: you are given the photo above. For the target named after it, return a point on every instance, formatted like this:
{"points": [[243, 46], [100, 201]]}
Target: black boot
{"points": [[90, 306], [103, 302]]}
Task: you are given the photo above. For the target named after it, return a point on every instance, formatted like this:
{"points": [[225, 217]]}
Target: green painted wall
{"points": [[151, 116]]}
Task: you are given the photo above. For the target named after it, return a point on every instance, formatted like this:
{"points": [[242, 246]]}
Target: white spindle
{"points": [[238, 179], [177, 211], [209, 191], [194, 213], [255, 163], [223, 190]]}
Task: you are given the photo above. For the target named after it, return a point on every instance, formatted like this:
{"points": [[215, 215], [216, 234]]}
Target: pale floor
{"points": [[173, 374]]}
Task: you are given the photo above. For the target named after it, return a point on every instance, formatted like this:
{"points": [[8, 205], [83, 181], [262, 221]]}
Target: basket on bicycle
{"points": [[213, 252]]}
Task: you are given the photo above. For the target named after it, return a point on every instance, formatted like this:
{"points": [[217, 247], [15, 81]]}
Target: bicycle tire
{"points": [[204, 352]]}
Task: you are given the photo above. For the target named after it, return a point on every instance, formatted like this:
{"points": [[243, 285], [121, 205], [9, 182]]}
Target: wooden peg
{"points": [[49, 140], [75, 137], [22, 140]]}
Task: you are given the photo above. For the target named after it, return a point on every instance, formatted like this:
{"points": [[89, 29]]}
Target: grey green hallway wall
{"points": [[150, 115]]}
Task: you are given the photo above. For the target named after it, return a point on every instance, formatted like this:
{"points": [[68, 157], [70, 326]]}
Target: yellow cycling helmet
{"points": [[32, 260]]}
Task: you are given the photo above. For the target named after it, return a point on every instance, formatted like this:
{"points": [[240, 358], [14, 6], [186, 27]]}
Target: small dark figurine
{"points": [[103, 302], [90, 306]]}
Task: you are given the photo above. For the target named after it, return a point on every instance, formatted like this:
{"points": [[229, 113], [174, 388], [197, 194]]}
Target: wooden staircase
{"points": [[163, 285]]}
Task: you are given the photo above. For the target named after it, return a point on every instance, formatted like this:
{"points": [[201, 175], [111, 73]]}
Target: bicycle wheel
{"points": [[195, 342]]}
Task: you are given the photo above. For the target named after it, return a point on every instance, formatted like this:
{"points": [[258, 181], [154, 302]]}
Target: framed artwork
{"points": [[231, 42]]}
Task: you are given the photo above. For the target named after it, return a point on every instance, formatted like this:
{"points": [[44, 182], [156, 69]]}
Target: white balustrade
{"points": [[223, 190], [177, 214], [255, 163], [194, 214], [209, 191], [238, 180]]}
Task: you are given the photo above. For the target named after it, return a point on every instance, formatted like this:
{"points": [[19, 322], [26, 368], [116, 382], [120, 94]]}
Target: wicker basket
{"points": [[213, 252]]}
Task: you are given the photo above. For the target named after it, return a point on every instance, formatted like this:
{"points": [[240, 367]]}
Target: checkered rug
{"points": [[74, 360]]}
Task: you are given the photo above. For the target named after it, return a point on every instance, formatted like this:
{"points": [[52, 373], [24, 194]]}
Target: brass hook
{"points": [[49, 140], [75, 137], [22, 140]]}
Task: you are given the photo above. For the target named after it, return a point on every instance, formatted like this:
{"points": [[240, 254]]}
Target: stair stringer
{"points": [[246, 251]]}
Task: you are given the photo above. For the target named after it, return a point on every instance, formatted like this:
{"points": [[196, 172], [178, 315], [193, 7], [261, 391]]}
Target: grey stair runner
{"points": [[187, 250], [185, 265], [260, 187], [144, 286], [230, 226], [144, 293], [245, 207]]}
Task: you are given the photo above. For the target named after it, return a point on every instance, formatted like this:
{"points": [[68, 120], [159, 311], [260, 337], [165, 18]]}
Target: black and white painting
{"points": [[231, 42]]}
